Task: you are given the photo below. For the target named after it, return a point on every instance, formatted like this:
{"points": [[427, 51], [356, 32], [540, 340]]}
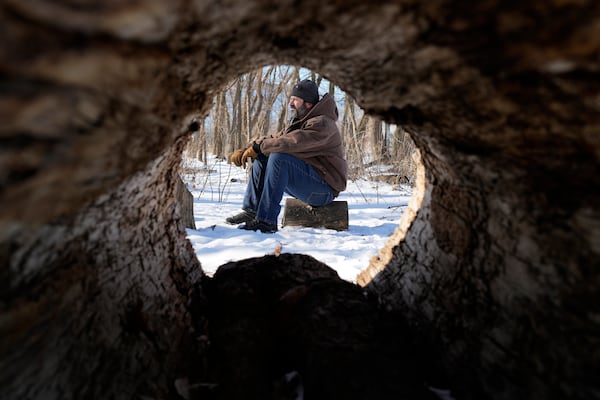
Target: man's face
{"points": [[298, 106]]}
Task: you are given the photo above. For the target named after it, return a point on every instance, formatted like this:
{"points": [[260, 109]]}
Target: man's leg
{"points": [[307, 185], [287, 173], [253, 193], [256, 184]]}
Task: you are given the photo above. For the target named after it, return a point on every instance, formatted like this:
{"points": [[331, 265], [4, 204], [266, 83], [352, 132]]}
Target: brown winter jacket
{"points": [[315, 139]]}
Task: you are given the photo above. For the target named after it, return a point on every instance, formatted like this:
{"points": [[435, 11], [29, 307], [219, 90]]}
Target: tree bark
{"points": [[221, 128], [494, 266], [92, 316], [374, 137], [185, 201], [332, 216]]}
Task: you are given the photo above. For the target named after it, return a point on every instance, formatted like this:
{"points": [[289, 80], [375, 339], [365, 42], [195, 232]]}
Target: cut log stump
{"points": [[186, 202], [331, 216]]}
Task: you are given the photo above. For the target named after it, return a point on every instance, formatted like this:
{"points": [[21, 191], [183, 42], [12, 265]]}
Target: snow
{"points": [[374, 210]]}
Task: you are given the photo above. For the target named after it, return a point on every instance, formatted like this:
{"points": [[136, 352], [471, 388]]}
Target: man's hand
{"points": [[236, 157], [240, 156], [249, 153]]}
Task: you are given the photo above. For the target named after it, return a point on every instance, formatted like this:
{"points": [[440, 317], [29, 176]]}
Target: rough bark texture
{"points": [[185, 201], [331, 216], [495, 264]]}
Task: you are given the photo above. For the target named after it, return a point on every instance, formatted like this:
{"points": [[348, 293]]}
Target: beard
{"points": [[299, 112]]}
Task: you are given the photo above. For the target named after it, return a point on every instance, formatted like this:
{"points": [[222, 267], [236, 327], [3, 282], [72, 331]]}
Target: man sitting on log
{"points": [[305, 160]]}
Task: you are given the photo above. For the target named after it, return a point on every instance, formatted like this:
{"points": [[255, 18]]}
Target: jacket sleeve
{"points": [[315, 136], [262, 138]]}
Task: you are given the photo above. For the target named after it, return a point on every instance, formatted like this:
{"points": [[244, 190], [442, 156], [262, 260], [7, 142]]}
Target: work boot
{"points": [[262, 226], [244, 216]]}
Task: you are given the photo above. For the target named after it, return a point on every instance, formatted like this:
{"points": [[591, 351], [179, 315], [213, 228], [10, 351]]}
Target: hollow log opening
{"points": [[493, 269]]}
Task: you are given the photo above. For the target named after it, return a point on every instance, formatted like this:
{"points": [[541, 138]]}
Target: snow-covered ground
{"points": [[374, 210]]}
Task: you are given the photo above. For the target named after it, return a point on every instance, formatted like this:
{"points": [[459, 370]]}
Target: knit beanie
{"points": [[307, 90]]}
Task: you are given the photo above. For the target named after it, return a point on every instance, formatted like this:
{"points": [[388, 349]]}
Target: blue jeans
{"points": [[278, 173]]}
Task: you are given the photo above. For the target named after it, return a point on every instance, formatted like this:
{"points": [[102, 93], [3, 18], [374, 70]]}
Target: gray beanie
{"points": [[307, 90]]}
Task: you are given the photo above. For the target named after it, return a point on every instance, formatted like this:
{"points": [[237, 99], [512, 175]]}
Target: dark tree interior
{"points": [[494, 268]]}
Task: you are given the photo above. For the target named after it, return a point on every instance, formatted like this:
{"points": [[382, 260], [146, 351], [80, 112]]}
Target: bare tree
{"points": [[403, 154], [236, 116], [332, 89], [255, 104], [220, 126], [197, 146], [373, 135], [351, 135]]}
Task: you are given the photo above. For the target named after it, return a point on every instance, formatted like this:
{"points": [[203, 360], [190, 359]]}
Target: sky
{"points": [[374, 210]]}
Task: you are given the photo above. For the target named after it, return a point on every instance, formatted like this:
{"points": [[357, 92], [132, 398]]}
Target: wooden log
{"points": [[332, 216]]}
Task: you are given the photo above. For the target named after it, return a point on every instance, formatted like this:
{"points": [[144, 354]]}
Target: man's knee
{"points": [[281, 159], [276, 157]]}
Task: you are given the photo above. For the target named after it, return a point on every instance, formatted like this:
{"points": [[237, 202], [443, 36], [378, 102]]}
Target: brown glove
{"points": [[236, 157], [249, 153]]}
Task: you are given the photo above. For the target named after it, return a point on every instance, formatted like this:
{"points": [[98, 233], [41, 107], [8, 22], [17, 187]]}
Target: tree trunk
{"points": [[239, 137], [494, 266], [185, 201], [96, 316], [219, 127], [374, 136], [353, 137]]}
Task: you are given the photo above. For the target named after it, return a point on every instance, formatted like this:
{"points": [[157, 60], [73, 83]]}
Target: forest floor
{"points": [[218, 188]]}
